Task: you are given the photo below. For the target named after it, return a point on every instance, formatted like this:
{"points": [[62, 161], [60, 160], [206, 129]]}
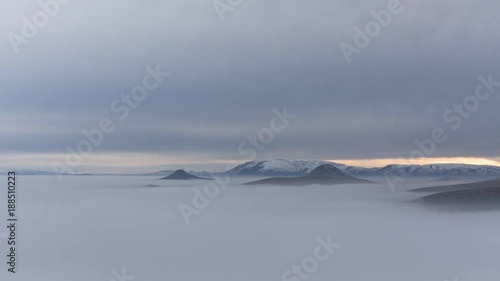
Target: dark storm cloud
{"points": [[226, 77]]}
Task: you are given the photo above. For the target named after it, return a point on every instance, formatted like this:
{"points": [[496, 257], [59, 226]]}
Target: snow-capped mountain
{"points": [[279, 167], [283, 167], [442, 170]]}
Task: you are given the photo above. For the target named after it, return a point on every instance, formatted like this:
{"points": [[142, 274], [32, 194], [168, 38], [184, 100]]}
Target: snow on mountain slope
{"points": [[283, 167], [280, 167], [442, 170]]}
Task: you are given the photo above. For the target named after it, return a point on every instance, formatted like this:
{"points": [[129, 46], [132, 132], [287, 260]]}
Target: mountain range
{"points": [[295, 168], [291, 168]]}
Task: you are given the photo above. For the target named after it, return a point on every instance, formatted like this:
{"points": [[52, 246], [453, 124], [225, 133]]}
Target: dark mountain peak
{"points": [[182, 175], [327, 171], [326, 174]]}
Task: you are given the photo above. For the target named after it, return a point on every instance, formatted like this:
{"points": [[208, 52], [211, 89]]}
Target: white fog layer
{"points": [[93, 227]]}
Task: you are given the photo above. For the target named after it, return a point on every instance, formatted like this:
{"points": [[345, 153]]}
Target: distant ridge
{"points": [[457, 187], [27, 172], [475, 199], [326, 174], [183, 175]]}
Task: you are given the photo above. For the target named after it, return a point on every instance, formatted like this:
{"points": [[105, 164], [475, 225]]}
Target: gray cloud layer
{"points": [[226, 77]]}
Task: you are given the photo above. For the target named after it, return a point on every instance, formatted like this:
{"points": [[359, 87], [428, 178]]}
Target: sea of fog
{"points": [[114, 228]]}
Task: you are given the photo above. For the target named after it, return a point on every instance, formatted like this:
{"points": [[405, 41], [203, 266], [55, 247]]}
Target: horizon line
{"points": [[137, 168]]}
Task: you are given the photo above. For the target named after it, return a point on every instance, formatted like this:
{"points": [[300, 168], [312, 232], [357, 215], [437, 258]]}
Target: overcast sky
{"points": [[226, 77]]}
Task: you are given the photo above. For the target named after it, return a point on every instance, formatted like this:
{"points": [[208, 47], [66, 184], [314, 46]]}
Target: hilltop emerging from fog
{"points": [[326, 174]]}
